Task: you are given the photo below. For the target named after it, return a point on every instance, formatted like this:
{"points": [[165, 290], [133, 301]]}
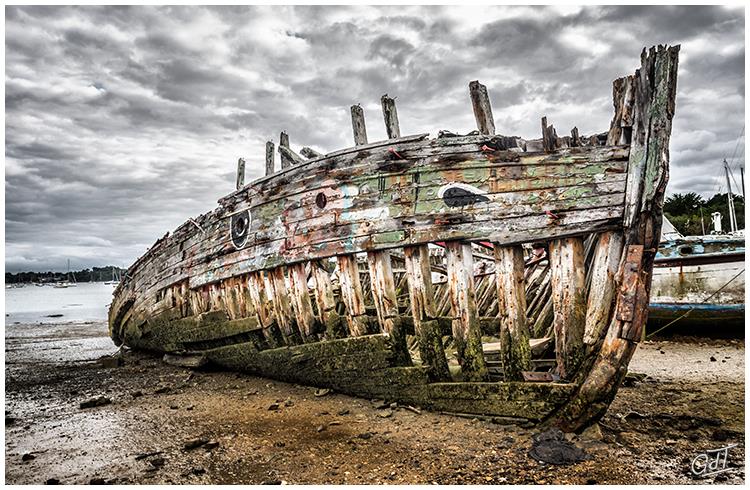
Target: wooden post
{"points": [[284, 142], [303, 309], [282, 306], [602, 290], [269, 158], [422, 299], [569, 302], [466, 330], [549, 136], [352, 294], [264, 309], [240, 174], [358, 125], [386, 304], [390, 116], [575, 139], [326, 302], [480, 102], [511, 299]]}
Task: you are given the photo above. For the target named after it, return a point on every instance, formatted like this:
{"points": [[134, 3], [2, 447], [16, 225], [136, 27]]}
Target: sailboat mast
{"points": [[732, 218]]}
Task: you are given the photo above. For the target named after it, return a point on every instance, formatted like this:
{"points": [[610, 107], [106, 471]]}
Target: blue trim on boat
{"points": [[683, 307]]}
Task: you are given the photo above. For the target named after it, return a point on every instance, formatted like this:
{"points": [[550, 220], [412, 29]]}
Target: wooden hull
{"points": [[365, 270]]}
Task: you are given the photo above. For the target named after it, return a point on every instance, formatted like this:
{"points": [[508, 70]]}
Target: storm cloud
{"points": [[122, 122]]}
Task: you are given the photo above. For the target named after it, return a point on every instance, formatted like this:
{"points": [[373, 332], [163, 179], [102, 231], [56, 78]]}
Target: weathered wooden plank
{"points": [[390, 117], [602, 290], [386, 303], [424, 314], [282, 306], [511, 297], [326, 302], [466, 331], [480, 102], [301, 302], [358, 125], [286, 162], [569, 302], [263, 307], [269, 158], [352, 295], [308, 152], [290, 156], [623, 97], [240, 174]]}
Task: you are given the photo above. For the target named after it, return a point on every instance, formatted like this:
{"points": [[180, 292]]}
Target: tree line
{"points": [[684, 211], [95, 274]]}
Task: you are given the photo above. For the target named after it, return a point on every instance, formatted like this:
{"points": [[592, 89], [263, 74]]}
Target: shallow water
{"points": [[33, 304]]}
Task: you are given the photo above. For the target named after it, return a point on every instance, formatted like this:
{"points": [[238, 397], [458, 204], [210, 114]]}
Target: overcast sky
{"points": [[123, 122]]}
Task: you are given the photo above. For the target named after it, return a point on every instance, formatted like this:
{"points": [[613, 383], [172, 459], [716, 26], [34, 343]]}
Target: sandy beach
{"points": [[165, 424]]}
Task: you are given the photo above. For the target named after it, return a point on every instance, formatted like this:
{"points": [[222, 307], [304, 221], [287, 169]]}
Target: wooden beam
{"points": [[569, 302], [284, 143], [308, 152], [290, 156], [623, 97], [424, 314], [240, 174], [358, 125], [511, 298], [602, 290], [269, 158], [264, 308], [386, 304], [352, 294], [326, 302], [301, 302], [480, 102], [283, 307], [390, 116], [466, 331]]}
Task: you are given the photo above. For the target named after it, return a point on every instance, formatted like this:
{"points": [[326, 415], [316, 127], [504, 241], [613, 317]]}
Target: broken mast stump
{"points": [[240, 174], [358, 125], [480, 102], [269, 158], [390, 116]]}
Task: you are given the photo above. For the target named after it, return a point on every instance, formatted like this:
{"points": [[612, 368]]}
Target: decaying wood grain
{"points": [[511, 296], [422, 301], [466, 331], [480, 102], [352, 295], [569, 302], [549, 136], [386, 303], [282, 306], [326, 303], [390, 116], [358, 125], [301, 302]]}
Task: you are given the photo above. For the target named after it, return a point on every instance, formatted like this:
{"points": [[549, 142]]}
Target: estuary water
{"points": [[34, 304]]}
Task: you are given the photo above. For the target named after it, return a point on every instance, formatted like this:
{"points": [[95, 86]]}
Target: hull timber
{"points": [[478, 274]]}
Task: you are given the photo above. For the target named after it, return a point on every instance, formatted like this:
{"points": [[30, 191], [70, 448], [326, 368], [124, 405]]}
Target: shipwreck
{"points": [[472, 274]]}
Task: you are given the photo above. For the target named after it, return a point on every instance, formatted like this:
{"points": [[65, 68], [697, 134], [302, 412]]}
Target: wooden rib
{"points": [[511, 296], [569, 302], [358, 125], [480, 102], [282, 306], [301, 303], [263, 307], [386, 303], [352, 294], [326, 302], [424, 313], [284, 142], [308, 152], [623, 97], [602, 290], [390, 116], [240, 174], [466, 331], [269, 158]]}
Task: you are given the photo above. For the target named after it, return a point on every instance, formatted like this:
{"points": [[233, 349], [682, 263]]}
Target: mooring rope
{"points": [[693, 308]]}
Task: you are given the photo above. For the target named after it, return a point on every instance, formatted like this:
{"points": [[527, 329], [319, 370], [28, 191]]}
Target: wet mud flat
{"points": [[155, 423]]}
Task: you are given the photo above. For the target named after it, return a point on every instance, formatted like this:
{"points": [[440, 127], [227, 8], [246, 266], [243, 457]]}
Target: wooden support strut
{"points": [[263, 308], [326, 302], [352, 294], [240, 174], [286, 162], [282, 306], [269, 158], [511, 297], [308, 152], [390, 116], [301, 302], [480, 102], [386, 303], [569, 302], [424, 313], [602, 290], [358, 125], [466, 331]]}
